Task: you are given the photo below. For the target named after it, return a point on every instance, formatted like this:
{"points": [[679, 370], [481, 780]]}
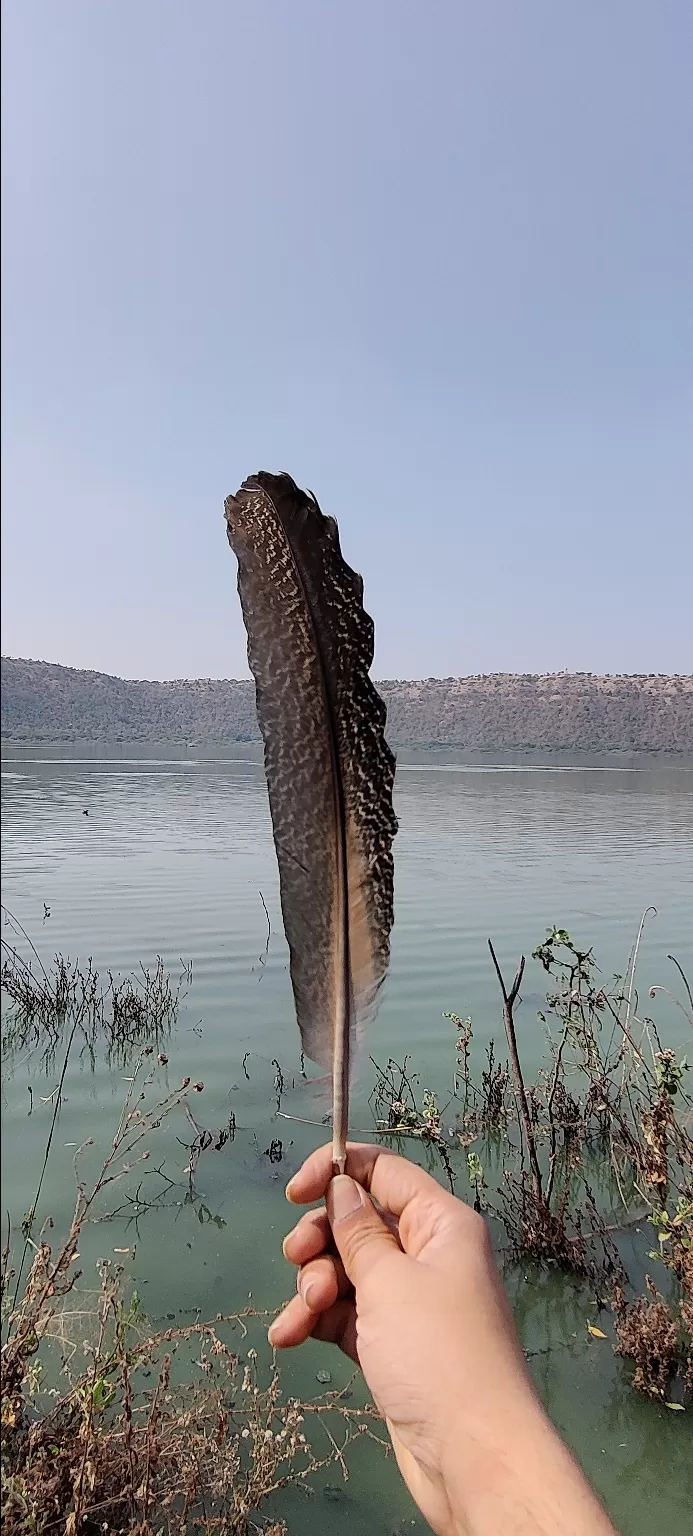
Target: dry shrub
{"points": [[166, 1431], [550, 1236], [655, 1123], [122, 1454], [649, 1335], [122, 1013], [610, 1113]]}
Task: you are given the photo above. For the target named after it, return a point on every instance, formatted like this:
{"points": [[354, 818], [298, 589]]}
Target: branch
{"points": [[683, 976], [509, 1000]]}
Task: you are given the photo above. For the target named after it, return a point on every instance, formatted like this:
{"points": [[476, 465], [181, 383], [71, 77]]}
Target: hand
{"points": [[409, 1289]]}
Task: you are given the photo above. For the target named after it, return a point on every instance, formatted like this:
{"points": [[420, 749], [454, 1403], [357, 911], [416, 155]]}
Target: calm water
{"points": [[171, 860]]}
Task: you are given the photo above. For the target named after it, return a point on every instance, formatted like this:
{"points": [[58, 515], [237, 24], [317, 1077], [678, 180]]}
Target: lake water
{"points": [[175, 857]]}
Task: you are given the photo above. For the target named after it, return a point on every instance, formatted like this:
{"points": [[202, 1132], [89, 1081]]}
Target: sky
{"points": [[435, 260]]}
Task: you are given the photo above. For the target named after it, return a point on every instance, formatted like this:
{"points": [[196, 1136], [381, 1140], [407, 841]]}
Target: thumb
{"points": [[359, 1232]]}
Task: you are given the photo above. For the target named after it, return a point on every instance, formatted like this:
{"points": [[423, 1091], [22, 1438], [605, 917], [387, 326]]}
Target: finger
{"points": [[320, 1282], [392, 1180], [329, 1270], [312, 1235], [318, 1287], [293, 1326], [297, 1323]]}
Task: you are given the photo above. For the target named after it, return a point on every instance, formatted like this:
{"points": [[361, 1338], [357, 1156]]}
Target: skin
{"points": [[401, 1276]]}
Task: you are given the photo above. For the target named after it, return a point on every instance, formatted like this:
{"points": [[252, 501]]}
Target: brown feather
{"points": [[329, 770]]}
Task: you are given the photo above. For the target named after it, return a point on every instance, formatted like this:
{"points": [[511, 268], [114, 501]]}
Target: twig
{"points": [[509, 1000], [263, 957], [46, 1155], [683, 976], [16, 923], [549, 1108], [321, 1125], [633, 964], [126, 1397]]}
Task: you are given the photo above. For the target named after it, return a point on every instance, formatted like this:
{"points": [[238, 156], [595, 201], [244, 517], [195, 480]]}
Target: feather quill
{"points": [[329, 769]]}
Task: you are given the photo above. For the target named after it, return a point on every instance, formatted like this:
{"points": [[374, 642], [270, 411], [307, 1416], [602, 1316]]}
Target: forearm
{"points": [[526, 1484]]}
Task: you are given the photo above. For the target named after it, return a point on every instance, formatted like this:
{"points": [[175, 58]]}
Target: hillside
{"points": [[562, 711]]}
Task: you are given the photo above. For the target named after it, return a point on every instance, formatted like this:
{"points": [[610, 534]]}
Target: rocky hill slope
{"points": [[561, 711]]}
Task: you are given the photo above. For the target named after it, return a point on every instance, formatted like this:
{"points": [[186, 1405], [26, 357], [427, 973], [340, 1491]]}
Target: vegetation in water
{"points": [[596, 1149], [124, 1012], [586, 1167], [129, 1439]]}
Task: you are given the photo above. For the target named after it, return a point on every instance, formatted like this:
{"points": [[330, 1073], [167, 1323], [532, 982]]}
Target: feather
{"points": [[329, 770]]}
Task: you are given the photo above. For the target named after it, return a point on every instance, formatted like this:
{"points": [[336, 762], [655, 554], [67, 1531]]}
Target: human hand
{"points": [[409, 1289]]}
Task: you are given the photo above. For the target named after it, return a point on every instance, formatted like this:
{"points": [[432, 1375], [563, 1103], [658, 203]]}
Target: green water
{"points": [[171, 859]]}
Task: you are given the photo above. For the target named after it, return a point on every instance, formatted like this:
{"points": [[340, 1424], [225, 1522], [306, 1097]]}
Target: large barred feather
{"points": [[329, 769]]}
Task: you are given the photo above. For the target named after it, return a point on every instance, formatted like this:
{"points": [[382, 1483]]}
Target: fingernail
{"points": [[271, 1331], [346, 1196], [289, 1188], [305, 1287], [286, 1239]]}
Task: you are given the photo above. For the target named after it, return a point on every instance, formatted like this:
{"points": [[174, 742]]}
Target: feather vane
{"points": [[329, 769]]}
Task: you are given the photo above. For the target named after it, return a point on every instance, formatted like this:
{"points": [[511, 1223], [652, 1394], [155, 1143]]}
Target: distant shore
{"points": [[557, 713]]}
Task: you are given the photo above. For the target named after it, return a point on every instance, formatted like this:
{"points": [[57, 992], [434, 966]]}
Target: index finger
{"points": [[392, 1180]]}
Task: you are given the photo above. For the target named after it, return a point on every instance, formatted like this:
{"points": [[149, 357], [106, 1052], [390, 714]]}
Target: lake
{"points": [[175, 858]]}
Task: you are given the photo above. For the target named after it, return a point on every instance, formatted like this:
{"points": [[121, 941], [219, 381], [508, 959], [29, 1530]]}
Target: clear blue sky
{"points": [[435, 259]]}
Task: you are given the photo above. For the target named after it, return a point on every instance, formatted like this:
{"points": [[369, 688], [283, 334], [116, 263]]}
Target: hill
{"points": [[556, 712]]}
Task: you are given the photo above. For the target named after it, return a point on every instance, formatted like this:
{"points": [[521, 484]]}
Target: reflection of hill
{"points": [[41, 701]]}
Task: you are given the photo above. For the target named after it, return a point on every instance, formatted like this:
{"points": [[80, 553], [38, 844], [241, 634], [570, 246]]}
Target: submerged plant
{"points": [[46, 1001]]}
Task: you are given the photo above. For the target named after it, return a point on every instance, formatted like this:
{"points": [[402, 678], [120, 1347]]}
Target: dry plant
{"points": [[208, 1446], [599, 1145], [123, 1012], [611, 1113], [393, 1101]]}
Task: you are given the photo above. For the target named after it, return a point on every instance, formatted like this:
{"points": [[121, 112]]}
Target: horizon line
{"points": [[449, 678]]}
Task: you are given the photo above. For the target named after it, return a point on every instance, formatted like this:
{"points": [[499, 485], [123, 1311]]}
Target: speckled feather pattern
{"points": [[329, 770]]}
